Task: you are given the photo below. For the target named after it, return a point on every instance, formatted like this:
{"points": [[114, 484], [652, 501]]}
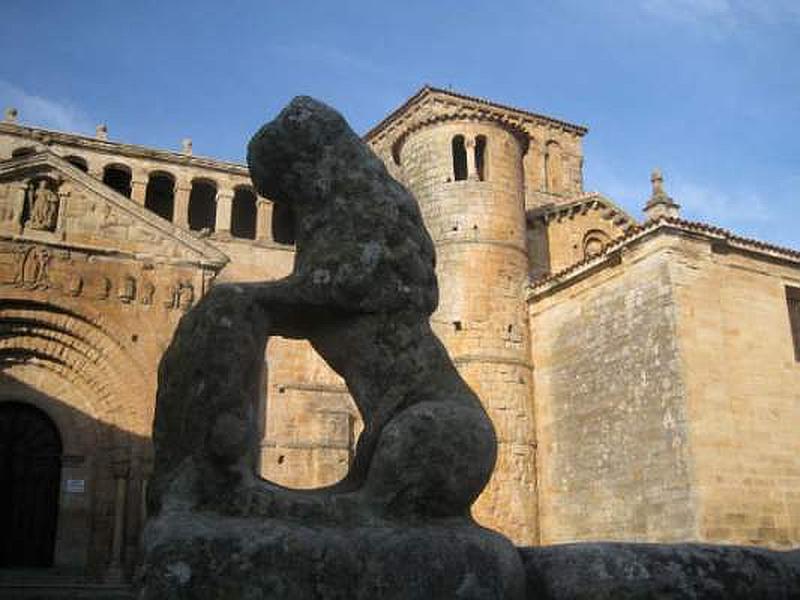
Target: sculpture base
{"points": [[203, 555]]}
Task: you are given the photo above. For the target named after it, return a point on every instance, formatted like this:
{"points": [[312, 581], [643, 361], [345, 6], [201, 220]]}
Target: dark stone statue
{"points": [[361, 292]]}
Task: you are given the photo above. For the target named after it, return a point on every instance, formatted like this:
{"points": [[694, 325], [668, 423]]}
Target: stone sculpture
{"points": [[44, 207], [361, 292]]}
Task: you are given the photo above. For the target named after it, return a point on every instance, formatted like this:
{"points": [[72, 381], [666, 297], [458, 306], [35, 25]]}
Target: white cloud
{"points": [[43, 112]]}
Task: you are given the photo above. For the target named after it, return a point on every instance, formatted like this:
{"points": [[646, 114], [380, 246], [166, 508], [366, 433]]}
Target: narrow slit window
{"points": [[793, 303], [459, 159], [480, 157]]}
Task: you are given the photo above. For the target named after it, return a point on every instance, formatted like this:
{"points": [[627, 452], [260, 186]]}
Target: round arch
{"points": [[78, 162], [82, 350]]}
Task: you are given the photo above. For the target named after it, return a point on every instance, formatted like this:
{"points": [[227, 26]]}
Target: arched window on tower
{"points": [[243, 213], [160, 196], [552, 167], [118, 177], [202, 205], [480, 157], [78, 162], [459, 159]]}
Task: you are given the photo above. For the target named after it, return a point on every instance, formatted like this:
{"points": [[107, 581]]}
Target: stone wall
{"points": [[743, 392], [667, 395], [612, 429]]}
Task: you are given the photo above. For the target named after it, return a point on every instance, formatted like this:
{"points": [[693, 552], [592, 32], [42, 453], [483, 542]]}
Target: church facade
{"points": [[643, 377]]}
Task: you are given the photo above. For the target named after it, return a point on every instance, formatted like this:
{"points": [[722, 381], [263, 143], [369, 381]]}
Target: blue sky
{"points": [[707, 90]]}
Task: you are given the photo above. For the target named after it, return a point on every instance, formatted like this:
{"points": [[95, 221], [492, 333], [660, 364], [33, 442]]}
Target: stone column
{"points": [[138, 189], [263, 220], [183, 191], [120, 468], [224, 207], [95, 170], [147, 473], [469, 146]]}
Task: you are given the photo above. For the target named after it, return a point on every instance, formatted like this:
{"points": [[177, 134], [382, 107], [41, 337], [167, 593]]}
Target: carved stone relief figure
{"points": [[185, 296], [75, 285], [127, 291], [105, 288], [172, 297], [43, 207], [31, 267], [148, 290]]}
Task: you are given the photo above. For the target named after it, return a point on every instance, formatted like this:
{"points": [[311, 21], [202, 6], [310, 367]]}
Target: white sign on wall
{"points": [[76, 486]]}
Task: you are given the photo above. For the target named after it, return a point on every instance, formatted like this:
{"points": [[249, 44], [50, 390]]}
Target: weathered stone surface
{"points": [[618, 571], [205, 556], [361, 292]]}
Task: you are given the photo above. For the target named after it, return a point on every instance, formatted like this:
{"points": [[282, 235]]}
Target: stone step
{"points": [[45, 584], [74, 591]]}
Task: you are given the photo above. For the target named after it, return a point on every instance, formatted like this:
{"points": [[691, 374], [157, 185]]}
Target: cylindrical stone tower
{"points": [[467, 174]]}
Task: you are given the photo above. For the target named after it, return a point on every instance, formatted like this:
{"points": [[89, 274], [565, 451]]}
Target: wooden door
{"points": [[30, 474]]}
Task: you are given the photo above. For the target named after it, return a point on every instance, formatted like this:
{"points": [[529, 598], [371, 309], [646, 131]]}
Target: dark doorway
{"points": [[30, 474]]}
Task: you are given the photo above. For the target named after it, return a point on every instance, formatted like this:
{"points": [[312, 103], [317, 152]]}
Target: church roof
{"points": [[611, 253], [580, 204], [427, 95]]}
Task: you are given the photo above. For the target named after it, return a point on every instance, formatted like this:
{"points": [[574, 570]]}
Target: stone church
{"points": [[643, 376]]}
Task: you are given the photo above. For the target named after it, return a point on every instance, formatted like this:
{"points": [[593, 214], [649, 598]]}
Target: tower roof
{"points": [[429, 95]]}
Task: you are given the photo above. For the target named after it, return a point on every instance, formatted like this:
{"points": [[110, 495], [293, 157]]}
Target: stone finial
{"points": [[186, 144], [660, 204], [101, 131], [11, 115]]}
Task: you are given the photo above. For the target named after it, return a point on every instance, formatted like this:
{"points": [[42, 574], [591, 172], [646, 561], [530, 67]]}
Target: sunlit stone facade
{"points": [[642, 378]]}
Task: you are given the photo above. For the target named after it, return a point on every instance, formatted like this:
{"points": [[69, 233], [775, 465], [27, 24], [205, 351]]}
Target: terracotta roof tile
{"points": [[637, 231]]}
